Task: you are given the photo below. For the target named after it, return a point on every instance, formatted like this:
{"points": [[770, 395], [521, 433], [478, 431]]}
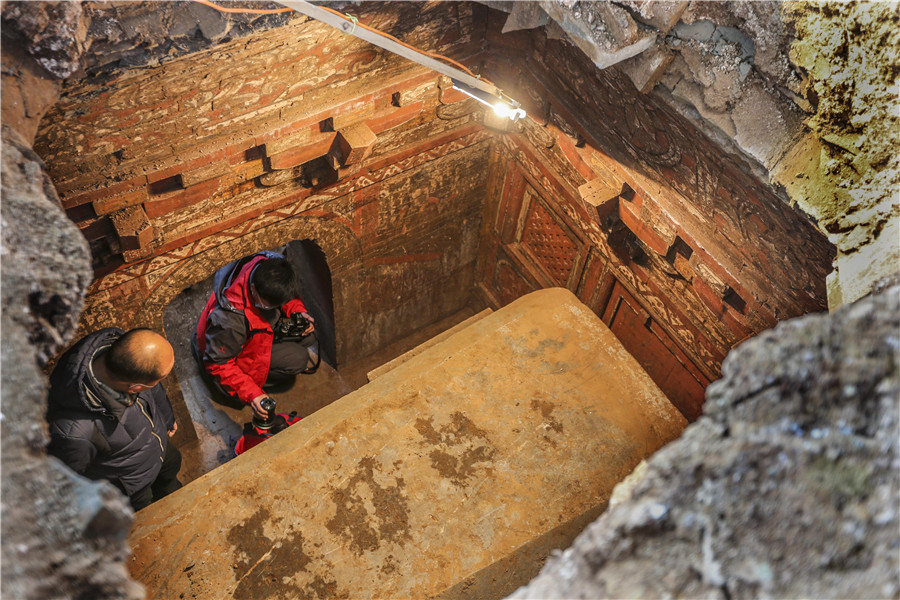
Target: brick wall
{"points": [[159, 166], [208, 141]]}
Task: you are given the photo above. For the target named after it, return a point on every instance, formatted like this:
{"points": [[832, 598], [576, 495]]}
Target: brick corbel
{"points": [[274, 178], [706, 274], [302, 154], [133, 228], [112, 204], [601, 194], [355, 143], [343, 119], [308, 135], [447, 94], [648, 224], [172, 201], [211, 170], [395, 118]]}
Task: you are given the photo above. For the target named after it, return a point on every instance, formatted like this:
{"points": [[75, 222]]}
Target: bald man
{"points": [[109, 416]]}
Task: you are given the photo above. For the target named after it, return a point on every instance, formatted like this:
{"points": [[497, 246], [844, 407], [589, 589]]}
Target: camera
{"points": [[290, 329], [262, 429], [268, 405]]}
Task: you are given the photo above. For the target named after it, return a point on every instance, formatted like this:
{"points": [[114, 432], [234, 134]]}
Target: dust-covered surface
{"points": [[54, 33], [731, 76], [452, 475], [125, 35], [63, 536], [788, 487], [73, 37]]}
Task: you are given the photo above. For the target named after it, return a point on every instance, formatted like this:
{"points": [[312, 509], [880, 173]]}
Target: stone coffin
{"points": [[453, 475]]}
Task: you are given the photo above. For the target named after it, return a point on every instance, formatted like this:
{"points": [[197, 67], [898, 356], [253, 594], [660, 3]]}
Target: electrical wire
{"points": [[355, 22], [264, 11]]}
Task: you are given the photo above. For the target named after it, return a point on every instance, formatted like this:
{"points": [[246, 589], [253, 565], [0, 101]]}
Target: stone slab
{"points": [[432, 479], [381, 370]]}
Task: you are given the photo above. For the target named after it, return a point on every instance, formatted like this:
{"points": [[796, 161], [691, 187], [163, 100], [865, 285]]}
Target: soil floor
{"points": [[219, 426]]}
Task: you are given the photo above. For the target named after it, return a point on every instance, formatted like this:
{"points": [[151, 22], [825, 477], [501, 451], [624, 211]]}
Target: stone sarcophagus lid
{"points": [[453, 475]]}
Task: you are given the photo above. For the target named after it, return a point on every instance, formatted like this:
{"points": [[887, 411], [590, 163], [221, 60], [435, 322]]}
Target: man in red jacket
{"points": [[234, 340]]}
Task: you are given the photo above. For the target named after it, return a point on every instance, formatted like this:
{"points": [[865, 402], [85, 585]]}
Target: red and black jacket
{"points": [[233, 335]]}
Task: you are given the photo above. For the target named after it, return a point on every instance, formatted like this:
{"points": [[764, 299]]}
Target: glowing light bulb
{"points": [[504, 110], [501, 109]]}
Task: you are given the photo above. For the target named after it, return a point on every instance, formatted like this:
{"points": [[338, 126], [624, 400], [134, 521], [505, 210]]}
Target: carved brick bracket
{"points": [[603, 195], [355, 143], [134, 230]]}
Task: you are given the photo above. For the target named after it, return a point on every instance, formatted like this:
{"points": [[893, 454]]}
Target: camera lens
{"points": [[267, 404]]}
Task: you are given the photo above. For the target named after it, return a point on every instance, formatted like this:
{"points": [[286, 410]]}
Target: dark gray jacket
{"points": [[85, 435]]}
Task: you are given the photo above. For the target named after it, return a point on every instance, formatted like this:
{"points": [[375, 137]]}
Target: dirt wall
{"points": [[63, 536], [850, 181]]}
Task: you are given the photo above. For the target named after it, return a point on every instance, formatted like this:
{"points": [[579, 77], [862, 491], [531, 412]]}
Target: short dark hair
{"points": [[129, 366], [275, 281]]}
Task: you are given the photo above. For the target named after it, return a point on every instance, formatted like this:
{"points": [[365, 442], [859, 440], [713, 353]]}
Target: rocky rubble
{"points": [[129, 34], [63, 536], [54, 33], [101, 38], [789, 486]]}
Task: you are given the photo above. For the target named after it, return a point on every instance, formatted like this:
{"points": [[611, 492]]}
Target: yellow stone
{"points": [[452, 475]]}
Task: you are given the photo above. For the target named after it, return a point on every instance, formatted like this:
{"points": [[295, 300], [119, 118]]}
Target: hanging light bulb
{"points": [[501, 109]]}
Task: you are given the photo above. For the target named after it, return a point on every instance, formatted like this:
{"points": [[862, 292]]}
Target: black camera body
{"points": [[291, 329]]}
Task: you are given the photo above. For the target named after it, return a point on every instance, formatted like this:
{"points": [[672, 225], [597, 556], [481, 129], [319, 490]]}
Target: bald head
{"points": [[140, 356]]}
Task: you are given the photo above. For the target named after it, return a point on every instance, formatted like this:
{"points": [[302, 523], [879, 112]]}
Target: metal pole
{"points": [[347, 26]]}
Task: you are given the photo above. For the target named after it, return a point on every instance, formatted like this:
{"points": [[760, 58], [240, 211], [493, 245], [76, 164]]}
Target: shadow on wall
{"points": [[311, 266]]}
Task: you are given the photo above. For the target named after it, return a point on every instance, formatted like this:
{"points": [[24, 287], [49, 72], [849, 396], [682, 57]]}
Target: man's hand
{"points": [[257, 408], [312, 324], [174, 429]]}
